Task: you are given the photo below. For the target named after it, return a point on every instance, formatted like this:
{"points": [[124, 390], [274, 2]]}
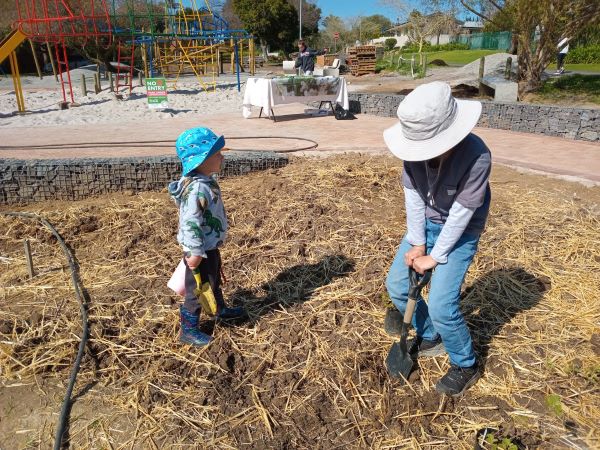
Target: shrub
{"points": [[427, 47], [390, 44], [584, 55]]}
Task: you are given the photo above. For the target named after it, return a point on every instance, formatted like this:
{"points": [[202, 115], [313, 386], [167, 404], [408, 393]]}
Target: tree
{"points": [[421, 28], [378, 24], [390, 43], [228, 13], [311, 16], [273, 22], [435, 18], [330, 26], [9, 16], [538, 27]]}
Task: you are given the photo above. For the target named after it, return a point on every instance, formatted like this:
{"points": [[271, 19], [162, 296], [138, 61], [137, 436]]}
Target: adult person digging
{"points": [[306, 58], [447, 197]]}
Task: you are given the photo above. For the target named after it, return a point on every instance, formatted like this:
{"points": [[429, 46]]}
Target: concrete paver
{"points": [[553, 155]]}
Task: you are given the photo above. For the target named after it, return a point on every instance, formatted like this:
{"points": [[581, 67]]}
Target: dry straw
{"points": [[308, 251]]}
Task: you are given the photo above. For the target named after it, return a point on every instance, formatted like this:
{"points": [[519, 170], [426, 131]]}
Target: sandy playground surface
{"points": [[188, 99]]}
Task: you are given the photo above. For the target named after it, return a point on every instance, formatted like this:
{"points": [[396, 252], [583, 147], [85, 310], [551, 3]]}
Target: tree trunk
{"points": [[514, 44], [263, 47], [531, 65]]}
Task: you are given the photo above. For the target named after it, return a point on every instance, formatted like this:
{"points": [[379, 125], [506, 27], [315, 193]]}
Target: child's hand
{"points": [[193, 261], [415, 252], [424, 263]]}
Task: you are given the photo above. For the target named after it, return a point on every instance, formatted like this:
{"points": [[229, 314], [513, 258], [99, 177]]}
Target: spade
{"points": [[398, 361]]}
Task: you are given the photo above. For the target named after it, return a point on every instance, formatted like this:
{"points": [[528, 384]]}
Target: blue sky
{"points": [[353, 8]]}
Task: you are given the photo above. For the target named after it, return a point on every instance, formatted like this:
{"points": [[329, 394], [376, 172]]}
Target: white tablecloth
{"points": [[268, 92]]}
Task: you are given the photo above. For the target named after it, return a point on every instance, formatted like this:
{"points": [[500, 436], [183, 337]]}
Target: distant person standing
{"points": [[563, 49], [305, 60]]}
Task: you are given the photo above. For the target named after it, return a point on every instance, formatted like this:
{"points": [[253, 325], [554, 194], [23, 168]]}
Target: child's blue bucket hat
{"points": [[195, 145]]}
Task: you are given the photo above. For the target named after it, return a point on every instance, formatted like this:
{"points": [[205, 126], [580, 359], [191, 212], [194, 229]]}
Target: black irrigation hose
{"points": [[63, 418], [167, 143]]}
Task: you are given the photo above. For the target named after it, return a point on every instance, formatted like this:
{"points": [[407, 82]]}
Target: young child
{"points": [[202, 226], [447, 196]]}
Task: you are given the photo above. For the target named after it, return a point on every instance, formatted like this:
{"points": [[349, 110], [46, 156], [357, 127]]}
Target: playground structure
{"points": [[171, 39]]}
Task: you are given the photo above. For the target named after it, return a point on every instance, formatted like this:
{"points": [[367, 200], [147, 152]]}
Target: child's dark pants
{"points": [[210, 270]]}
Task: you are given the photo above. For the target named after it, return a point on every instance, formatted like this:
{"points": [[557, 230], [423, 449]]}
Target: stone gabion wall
{"points": [[572, 123], [27, 181]]}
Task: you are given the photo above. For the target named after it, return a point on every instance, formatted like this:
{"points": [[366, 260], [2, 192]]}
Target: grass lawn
{"points": [[583, 67], [460, 57], [451, 57], [572, 88]]}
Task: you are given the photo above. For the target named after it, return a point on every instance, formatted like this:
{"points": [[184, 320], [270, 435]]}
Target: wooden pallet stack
{"points": [[362, 59], [326, 60]]}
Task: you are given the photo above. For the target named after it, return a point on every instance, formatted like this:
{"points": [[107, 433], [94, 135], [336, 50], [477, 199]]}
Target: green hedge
{"points": [[584, 55], [389, 44], [427, 47]]}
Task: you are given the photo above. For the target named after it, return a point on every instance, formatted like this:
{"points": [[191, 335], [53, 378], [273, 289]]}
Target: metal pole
{"points": [[237, 64], [35, 59], [300, 10], [52, 61]]}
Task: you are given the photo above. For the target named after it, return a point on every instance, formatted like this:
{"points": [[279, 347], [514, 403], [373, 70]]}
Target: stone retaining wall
{"points": [[27, 181], [572, 123]]}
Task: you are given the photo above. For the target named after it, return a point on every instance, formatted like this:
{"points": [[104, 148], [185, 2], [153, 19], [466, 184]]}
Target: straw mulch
{"points": [[308, 252]]}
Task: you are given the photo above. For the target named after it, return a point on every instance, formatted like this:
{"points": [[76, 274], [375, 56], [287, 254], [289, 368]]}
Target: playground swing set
{"points": [[173, 39]]}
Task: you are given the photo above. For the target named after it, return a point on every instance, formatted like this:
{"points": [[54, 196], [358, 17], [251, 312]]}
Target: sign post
{"points": [[156, 91], [336, 36]]}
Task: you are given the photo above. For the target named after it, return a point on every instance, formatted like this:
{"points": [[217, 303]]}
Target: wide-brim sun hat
{"points": [[432, 122], [196, 145]]}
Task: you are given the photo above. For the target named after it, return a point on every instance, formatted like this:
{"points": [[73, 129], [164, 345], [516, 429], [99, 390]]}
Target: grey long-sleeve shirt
{"points": [[456, 224]]}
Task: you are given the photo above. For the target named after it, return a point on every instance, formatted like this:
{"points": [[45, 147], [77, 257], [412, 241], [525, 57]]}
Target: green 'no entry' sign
{"points": [[156, 91]]}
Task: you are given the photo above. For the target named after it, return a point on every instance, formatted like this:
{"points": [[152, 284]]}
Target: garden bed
{"points": [[309, 248]]}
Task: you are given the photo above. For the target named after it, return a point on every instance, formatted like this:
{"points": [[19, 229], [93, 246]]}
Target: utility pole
{"points": [[300, 11], [360, 30]]}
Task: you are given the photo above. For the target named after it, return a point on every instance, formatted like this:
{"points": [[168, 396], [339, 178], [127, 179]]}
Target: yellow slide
{"points": [[10, 43], [7, 50]]}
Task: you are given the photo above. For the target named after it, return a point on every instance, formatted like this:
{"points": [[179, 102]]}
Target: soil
{"points": [[304, 372]]}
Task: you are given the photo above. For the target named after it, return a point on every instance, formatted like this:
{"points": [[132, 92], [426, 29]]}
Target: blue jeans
{"points": [[441, 316]]}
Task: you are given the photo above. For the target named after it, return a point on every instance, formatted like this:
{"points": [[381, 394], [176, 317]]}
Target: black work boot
{"points": [[393, 322], [419, 347], [458, 380], [237, 312], [226, 313]]}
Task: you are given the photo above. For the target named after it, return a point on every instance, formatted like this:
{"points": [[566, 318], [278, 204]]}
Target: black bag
{"points": [[342, 114]]}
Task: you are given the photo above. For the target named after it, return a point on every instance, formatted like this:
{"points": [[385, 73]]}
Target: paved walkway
{"points": [[547, 154]]}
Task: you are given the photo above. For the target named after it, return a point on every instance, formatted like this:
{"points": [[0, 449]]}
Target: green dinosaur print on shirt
{"points": [[196, 230], [213, 223], [202, 201]]}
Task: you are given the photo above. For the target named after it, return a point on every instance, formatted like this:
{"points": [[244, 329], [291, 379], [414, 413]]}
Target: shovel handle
{"points": [[417, 282], [411, 304], [197, 277]]}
